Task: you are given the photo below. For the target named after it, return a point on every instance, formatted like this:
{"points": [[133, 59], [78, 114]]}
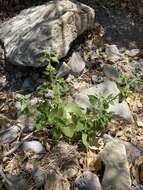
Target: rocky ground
{"points": [[116, 158]]}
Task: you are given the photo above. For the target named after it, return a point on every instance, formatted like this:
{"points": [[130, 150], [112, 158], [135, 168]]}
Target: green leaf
{"points": [[54, 59], [93, 99], [67, 131], [56, 133], [80, 126], [72, 108]]}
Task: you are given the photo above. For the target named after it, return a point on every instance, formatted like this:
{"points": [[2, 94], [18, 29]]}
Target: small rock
{"points": [[64, 70], [140, 123], [110, 72], [106, 88], [133, 52], [9, 135], [87, 181], [76, 63], [117, 171], [112, 52], [35, 146]]}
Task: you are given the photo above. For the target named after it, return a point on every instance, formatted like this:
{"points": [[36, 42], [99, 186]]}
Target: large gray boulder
{"points": [[53, 25]]}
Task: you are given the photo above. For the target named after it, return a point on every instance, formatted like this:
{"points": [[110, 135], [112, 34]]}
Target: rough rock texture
{"points": [[76, 63], [106, 88], [87, 181], [53, 25], [9, 135], [131, 150], [117, 172]]}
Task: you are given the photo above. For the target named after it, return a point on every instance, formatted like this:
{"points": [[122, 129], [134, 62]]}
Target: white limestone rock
{"points": [[53, 25]]}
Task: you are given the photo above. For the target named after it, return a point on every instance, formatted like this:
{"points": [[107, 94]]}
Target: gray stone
{"points": [[9, 135], [35, 146], [76, 63], [106, 88], [131, 150], [53, 25], [117, 171], [133, 52], [87, 181], [112, 52], [64, 70]]}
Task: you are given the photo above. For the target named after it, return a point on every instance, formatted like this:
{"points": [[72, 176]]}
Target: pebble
{"points": [[35, 146], [112, 52], [87, 181], [133, 52], [76, 63]]}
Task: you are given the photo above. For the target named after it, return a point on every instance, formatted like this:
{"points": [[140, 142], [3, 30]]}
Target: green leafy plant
{"points": [[66, 119], [127, 84], [24, 104], [48, 56]]}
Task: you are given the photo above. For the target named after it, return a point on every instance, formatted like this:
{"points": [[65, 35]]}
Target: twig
{"points": [[11, 151]]}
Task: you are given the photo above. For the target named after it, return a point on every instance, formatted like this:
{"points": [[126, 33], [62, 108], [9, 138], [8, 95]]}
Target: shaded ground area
{"points": [[121, 27]]}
